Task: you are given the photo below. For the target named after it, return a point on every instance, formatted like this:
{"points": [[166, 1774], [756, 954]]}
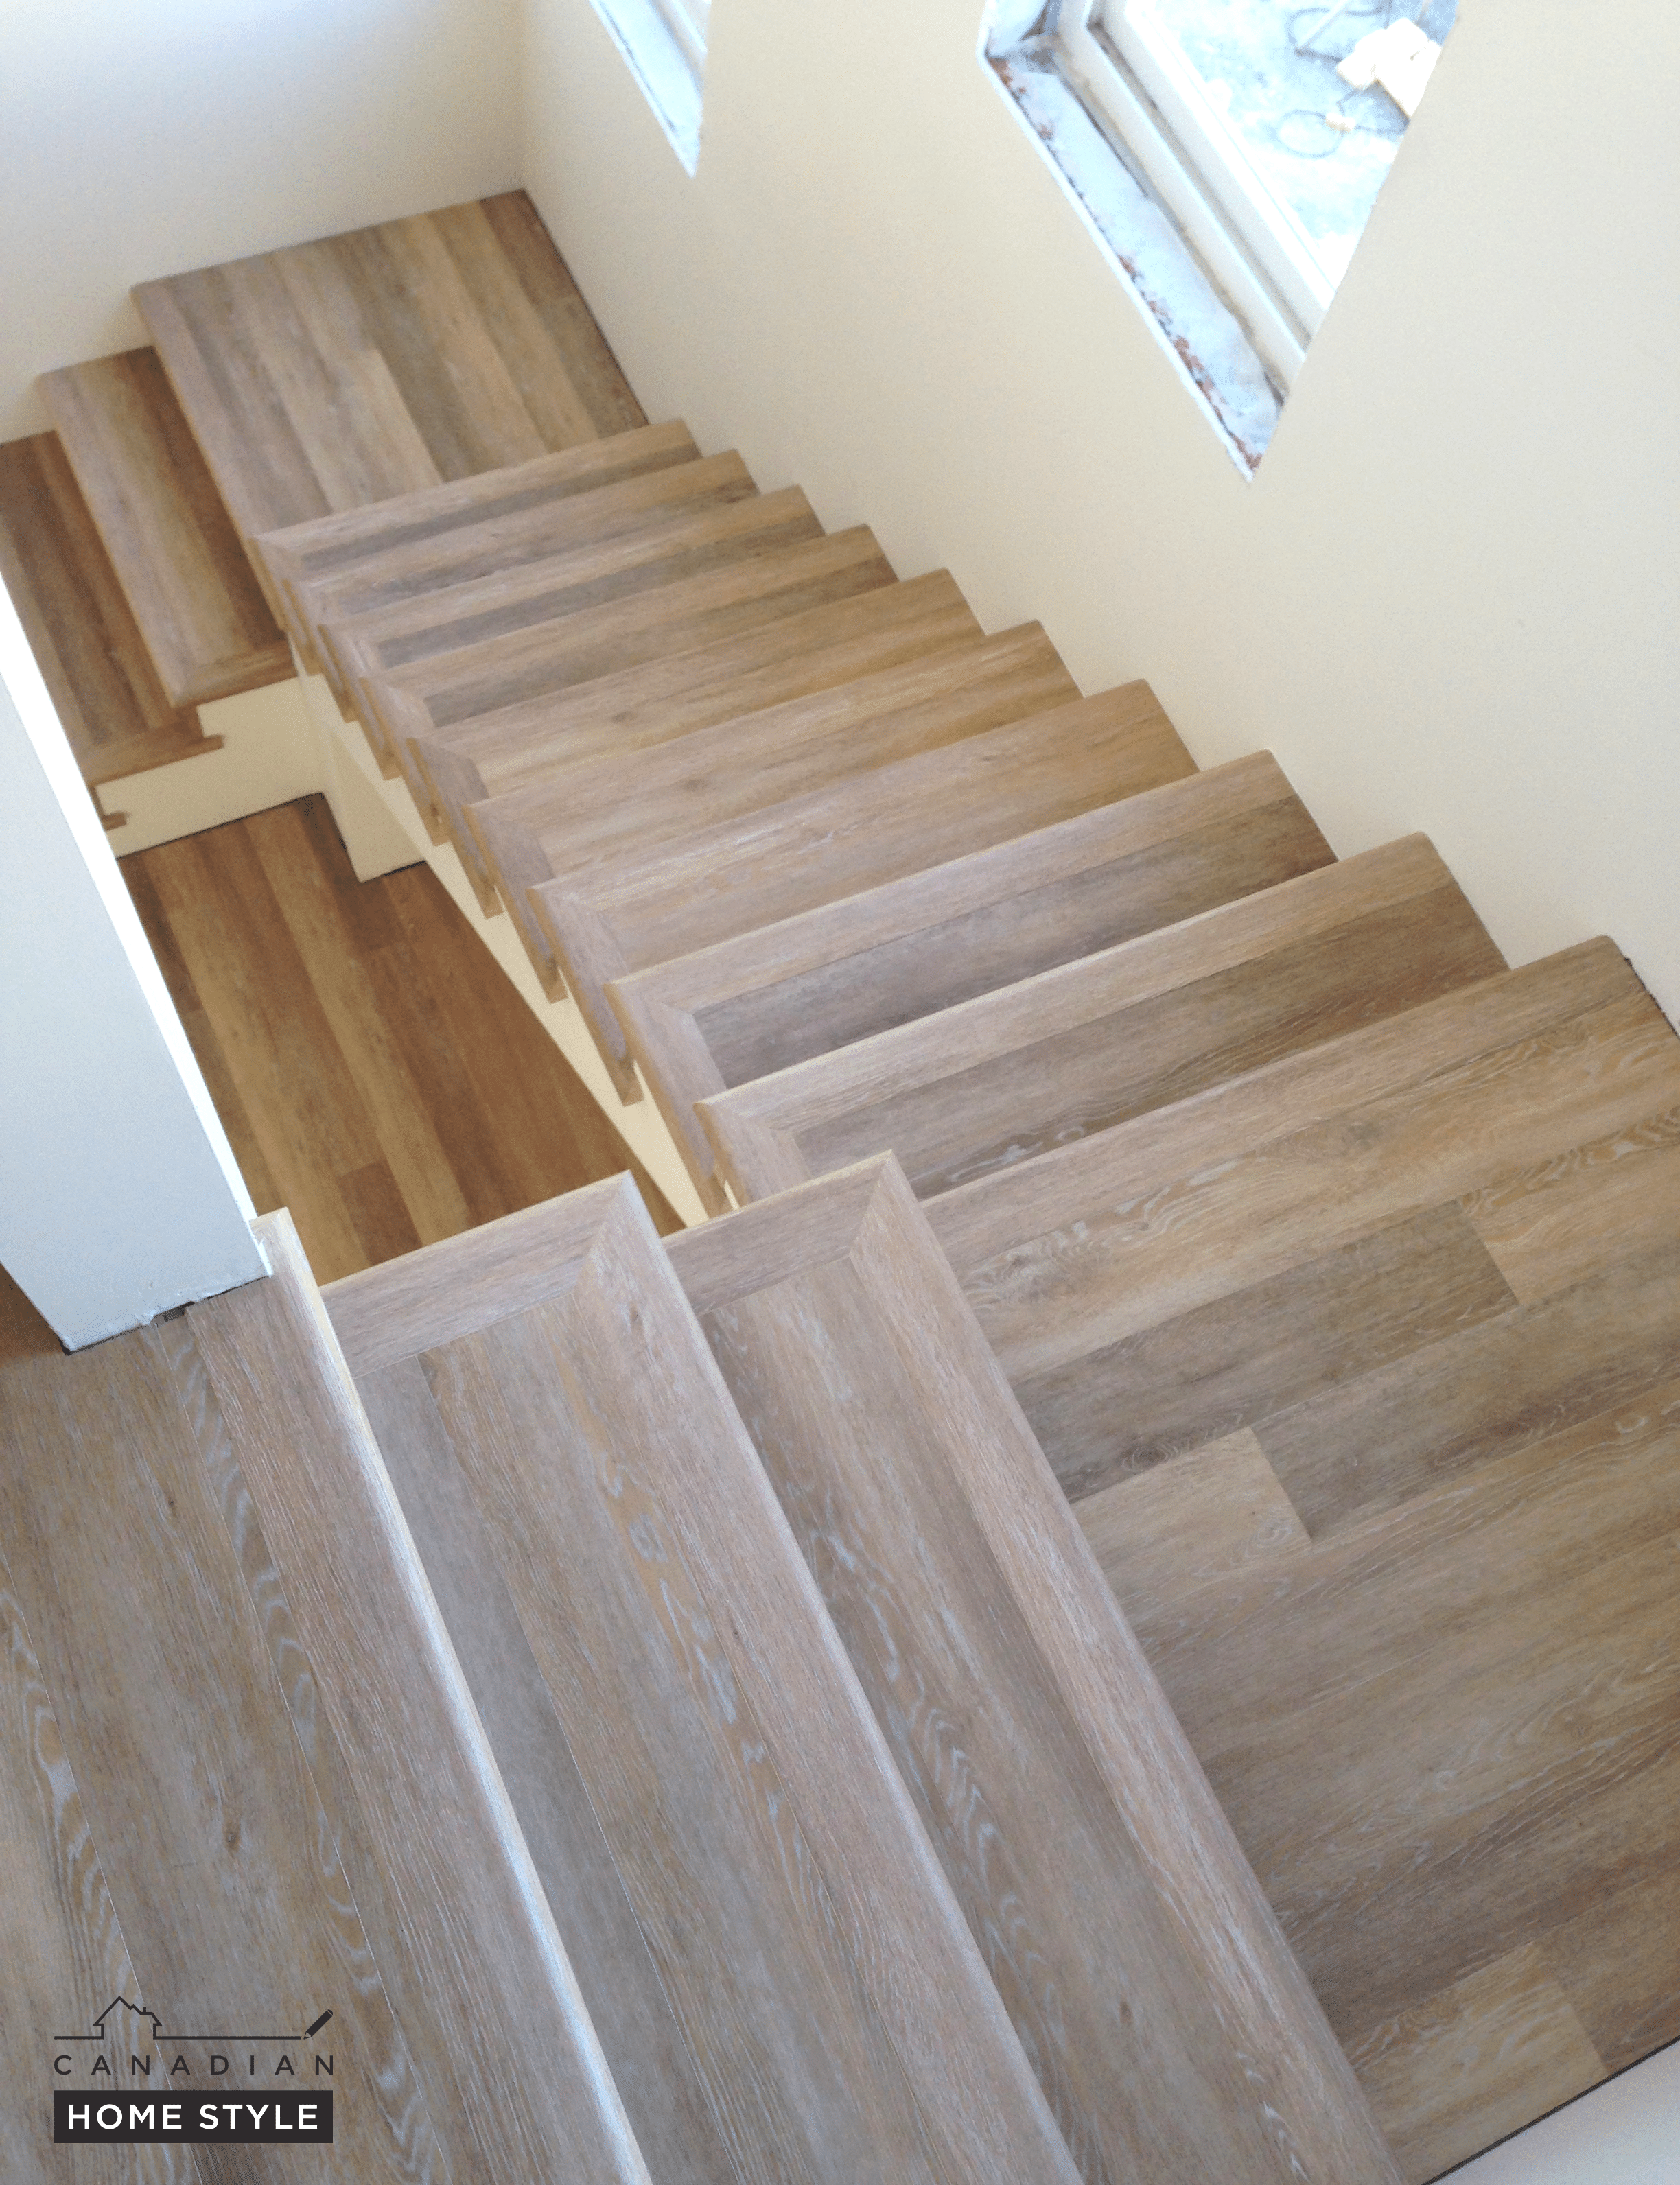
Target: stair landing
{"points": [[369, 364]]}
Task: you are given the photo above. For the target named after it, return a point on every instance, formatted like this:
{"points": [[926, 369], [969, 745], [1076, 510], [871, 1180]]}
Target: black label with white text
{"points": [[268, 2120]]}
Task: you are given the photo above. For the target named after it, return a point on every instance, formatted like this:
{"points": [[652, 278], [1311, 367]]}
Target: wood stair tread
{"points": [[532, 529], [507, 652], [455, 1910], [1110, 1034], [179, 1655], [372, 364], [533, 744], [140, 754], [82, 629], [196, 601], [538, 840], [1156, 843], [641, 557], [331, 544], [1095, 1868], [801, 1958], [1362, 1369]]}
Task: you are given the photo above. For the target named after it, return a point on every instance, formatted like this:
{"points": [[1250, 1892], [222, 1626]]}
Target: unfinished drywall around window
{"points": [[1227, 153]]}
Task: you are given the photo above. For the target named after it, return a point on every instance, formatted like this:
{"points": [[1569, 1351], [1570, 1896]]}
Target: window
{"points": [[1258, 132], [664, 42]]}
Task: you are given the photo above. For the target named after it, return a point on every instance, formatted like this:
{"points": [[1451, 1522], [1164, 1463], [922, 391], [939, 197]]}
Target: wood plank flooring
{"points": [[1374, 1425], [372, 364], [374, 1069], [170, 1792]]}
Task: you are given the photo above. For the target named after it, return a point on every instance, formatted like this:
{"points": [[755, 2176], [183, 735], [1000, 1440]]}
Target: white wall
{"points": [[1447, 601], [120, 1196], [143, 137]]}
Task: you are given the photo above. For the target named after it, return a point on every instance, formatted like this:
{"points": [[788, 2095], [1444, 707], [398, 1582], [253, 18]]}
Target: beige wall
{"points": [[140, 137], [1448, 600]]}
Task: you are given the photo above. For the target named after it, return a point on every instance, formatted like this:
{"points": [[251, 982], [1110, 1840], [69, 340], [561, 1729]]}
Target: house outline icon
{"points": [[139, 2010]]}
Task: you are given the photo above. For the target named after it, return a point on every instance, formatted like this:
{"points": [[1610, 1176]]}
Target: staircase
{"points": [[1112, 1184]]}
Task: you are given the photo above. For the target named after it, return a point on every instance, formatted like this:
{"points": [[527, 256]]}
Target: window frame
{"points": [[1143, 96]]}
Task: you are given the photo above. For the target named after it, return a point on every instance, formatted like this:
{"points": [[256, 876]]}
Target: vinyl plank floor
{"points": [[374, 1070]]}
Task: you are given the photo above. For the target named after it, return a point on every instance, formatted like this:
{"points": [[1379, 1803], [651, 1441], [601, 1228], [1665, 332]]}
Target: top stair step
{"points": [[375, 363], [785, 1984], [293, 559], [199, 606]]}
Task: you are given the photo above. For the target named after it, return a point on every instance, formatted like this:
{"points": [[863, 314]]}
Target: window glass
{"points": [[1323, 142]]}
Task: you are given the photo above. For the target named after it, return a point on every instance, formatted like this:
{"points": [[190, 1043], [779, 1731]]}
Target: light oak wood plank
{"points": [[1486, 1387], [1267, 1354], [1131, 1945], [331, 544], [1334, 1144], [604, 521], [652, 2070], [540, 839], [1161, 1533], [467, 1936], [578, 353], [470, 413], [1501, 2043], [527, 747], [1091, 1042], [1142, 847], [194, 596], [1556, 1223], [1493, 1668], [526, 651], [64, 1958], [1615, 1956], [352, 369], [495, 327], [827, 1989], [221, 1863]]}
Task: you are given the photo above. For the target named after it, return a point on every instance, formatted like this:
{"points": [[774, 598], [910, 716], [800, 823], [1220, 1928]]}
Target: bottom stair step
{"points": [[789, 1986], [1173, 2032]]}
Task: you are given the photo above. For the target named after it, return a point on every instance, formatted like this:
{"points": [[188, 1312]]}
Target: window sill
{"points": [[1211, 349]]}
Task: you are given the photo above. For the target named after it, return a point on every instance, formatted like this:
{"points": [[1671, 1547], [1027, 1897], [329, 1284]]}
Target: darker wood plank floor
{"points": [[374, 1068]]}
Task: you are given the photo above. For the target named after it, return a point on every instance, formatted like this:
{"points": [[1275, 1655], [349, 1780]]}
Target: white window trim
{"points": [[663, 43], [1129, 72]]}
